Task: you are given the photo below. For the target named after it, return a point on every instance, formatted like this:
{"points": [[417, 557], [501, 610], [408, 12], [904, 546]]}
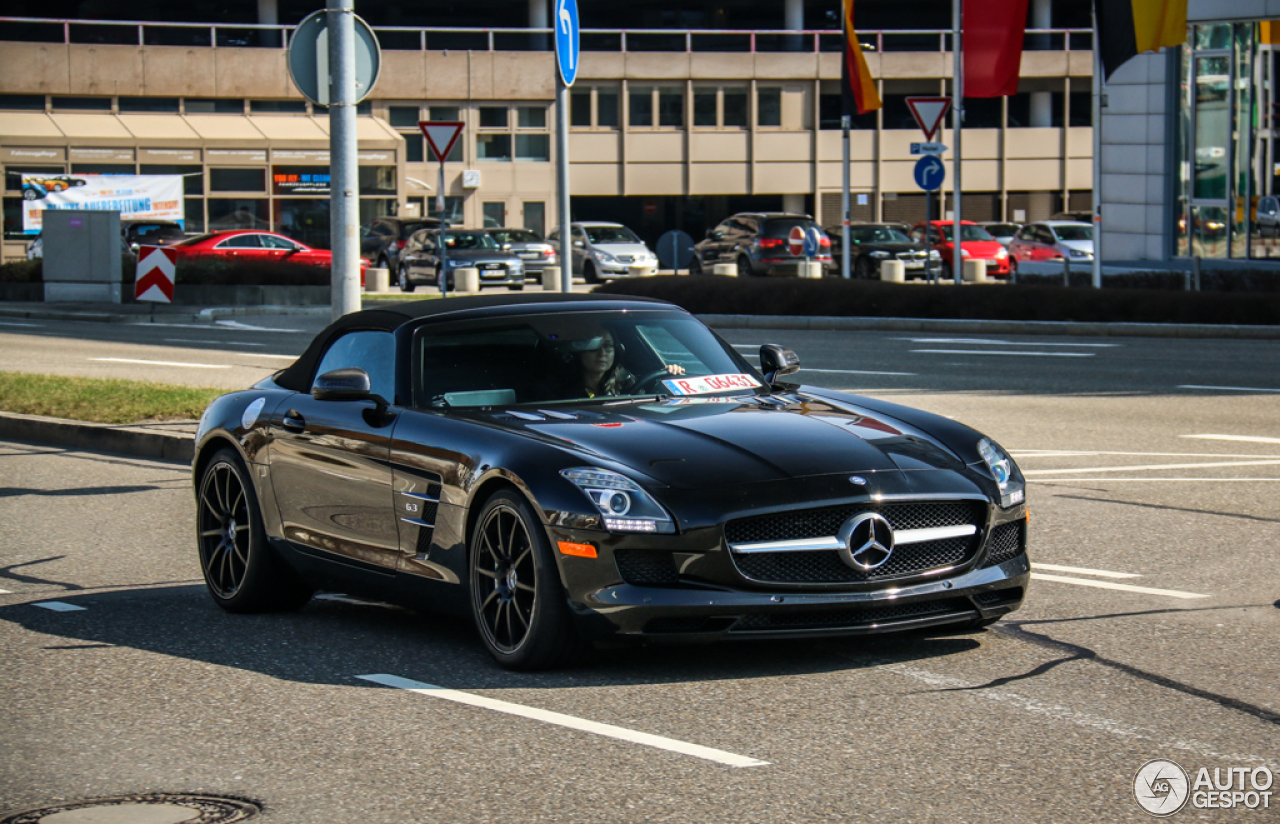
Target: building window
{"points": [[377, 180], [671, 107], [237, 180], [278, 106], [192, 176], [640, 107], [415, 147], [493, 147], [452, 209], [168, 105], [495, 215], [211, 105], [735, 107], [493, 117], [831, 111], [531, 117], [81, 104], [238, 213], [769, 106], [22, 102], [403, 117], [533, 147], [535, 216], [496, 142], [720, 107], [594, 107], [666, 101]]}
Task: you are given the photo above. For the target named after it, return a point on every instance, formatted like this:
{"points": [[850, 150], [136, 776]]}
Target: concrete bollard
{"points": [[810, 269], [893, 271], [377, 280], [467, 280], [730, 269], [975, 271], [551, 279]]}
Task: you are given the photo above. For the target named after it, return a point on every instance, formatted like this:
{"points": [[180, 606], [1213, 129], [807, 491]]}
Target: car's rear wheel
{"points": [[406, 285], [744, 267], [517, 599], [241, 570]]}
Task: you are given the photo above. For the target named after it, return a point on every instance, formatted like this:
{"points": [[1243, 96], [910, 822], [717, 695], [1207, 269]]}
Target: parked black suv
{"points": [[382, 239], [757, 243]]}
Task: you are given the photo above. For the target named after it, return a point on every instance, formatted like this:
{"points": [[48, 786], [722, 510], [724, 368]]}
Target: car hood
{"points": [[982, 248], [886, 247], [621, 248], [482, 256], [1078, 245], [693, 443]]}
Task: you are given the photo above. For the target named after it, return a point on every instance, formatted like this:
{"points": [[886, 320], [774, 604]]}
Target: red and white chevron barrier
{"points": [[155, 274]]}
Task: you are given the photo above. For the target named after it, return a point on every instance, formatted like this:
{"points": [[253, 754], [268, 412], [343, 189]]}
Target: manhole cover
{"points": [[158, 808]]}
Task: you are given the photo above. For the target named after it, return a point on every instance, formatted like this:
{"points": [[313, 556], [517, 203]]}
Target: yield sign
{"points": [[155, 274], [929, 112], [441, 135]]}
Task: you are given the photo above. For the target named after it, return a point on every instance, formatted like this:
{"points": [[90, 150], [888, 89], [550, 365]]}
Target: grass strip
{"points": [[102, 400]]}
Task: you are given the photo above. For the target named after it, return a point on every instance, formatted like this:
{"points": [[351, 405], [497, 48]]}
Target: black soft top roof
{"points": [[391, 317]]}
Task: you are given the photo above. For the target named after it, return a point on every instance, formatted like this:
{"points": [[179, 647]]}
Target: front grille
{"points": [[999, 596], [646, 567], [911, 256], [1007, 541], [826, 567], [837, 618], [625, 258]]}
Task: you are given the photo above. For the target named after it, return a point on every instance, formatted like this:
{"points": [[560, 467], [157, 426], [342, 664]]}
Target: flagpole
{"points": [[845, 123], [957, 100], [1097, 154]]}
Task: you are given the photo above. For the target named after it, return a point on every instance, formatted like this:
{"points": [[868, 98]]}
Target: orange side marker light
{"points": [[580, 550]]}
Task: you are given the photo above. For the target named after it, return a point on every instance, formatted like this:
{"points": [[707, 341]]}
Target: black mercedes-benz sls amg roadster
{"points": [[569, 469]]}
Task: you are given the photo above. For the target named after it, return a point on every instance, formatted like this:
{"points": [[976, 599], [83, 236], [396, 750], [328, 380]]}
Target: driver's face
{"points": [[599, 360]]}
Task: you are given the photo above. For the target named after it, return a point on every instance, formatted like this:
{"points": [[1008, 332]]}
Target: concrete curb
{"points": [[126, 439], [1007, 327]]}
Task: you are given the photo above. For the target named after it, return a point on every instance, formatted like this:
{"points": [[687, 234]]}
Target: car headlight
{"points": [[964, 252], [1006, 473], [604, 256], [1001, 255], [879, 255], [1078, 253], [625, 506], [934, 254]]}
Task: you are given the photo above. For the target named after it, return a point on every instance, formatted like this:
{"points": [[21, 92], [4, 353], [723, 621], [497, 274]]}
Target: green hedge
{"points": [[857, 298]]}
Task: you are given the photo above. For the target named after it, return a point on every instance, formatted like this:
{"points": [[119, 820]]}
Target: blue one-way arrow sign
{"points": [[566, 24]]}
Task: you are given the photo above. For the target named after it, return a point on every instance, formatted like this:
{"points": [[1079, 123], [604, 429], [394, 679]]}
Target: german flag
{"points": [[1127, 28], [858, 90]]}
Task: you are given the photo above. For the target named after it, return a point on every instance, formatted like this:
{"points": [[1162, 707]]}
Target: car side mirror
{"points": [[777, 360], [349, 384], [579, 244]]}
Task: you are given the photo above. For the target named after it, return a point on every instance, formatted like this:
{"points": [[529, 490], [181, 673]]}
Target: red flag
{"points": [[992, 37]]}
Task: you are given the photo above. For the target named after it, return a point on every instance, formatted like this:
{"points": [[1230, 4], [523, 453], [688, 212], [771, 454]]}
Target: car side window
{"points": [[1045, 235], [241, 242], [372, 351], [273, 242]]}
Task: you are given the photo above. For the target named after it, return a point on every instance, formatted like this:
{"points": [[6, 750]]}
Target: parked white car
{"points": [[606, 250]]}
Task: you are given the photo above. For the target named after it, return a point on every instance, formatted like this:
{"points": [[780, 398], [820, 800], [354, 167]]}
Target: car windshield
{"points": [[1073, 232], [515, 236], [967, 232], [465, 241], [876, 234], [610, 234], [576, 357]]}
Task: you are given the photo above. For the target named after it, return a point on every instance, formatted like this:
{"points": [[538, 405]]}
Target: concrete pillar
{"points": [[269, 12], [1042, 109], [1041, 14], [794, 15], [538, 20]]}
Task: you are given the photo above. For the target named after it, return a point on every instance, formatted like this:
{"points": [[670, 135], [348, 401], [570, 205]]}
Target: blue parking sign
{"points": [[566, 26], [930, 173]]}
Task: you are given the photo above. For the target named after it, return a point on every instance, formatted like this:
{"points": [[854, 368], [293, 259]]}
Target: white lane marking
{"points": [[1170, 593], [277, 357], [235, 324], [998, 352], [219, 342], [607, 730], [1101, 573], [1049, 453], [166, 363], [855, 372], [1226, 388], [1213, 464], [1151, 480], [15, 323], [1037, 706], [981, 341], [57, 606], [1239, 438]]}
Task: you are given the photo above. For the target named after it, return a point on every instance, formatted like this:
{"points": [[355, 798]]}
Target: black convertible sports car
{"points": [[575, 468]]}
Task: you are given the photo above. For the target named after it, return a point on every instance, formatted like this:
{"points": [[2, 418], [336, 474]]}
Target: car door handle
{"points": [[293, 421]]}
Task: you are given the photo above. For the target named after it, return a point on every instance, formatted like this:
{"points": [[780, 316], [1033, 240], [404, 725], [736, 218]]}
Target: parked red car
{"points": [[255, 245], [976, 243]]}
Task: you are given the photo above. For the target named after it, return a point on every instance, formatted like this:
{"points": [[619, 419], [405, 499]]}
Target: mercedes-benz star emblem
{"points": [[868, 541], [857, 480]]}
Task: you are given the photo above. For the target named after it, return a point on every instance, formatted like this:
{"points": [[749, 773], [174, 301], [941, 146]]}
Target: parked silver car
{"points": [[606, 250], [1002, 232], [1052, 240], [529, 246]]}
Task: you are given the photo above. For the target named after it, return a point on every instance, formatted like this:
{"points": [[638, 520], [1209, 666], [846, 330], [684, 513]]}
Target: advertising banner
{"points": [[135, 197]]}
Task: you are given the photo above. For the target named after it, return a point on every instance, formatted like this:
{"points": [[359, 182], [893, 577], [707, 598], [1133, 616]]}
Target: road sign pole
{"points": [[845, 123], [443, 252], [562, 184], [957, 104], [344, 203], [929, 275]]}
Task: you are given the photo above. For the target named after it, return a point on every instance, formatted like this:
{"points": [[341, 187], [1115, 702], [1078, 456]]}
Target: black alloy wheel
{"points": [[242, 572], [862, 269], [406, 285], [589, 273], [517, 599], [744, 267], [695, 266]]}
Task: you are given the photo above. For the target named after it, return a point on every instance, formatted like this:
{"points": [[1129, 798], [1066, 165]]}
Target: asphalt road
{"points": [[1150, 630]]}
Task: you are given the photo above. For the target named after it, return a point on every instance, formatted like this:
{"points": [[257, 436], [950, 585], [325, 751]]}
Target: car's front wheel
{"points": [[862, 269], [695, 266], [241, 570], [589, 273], [406, 285], [744, 268], [517, 599]]}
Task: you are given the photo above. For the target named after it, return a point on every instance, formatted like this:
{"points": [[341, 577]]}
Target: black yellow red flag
{"points": [[858, 90], [1127, 28]]}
